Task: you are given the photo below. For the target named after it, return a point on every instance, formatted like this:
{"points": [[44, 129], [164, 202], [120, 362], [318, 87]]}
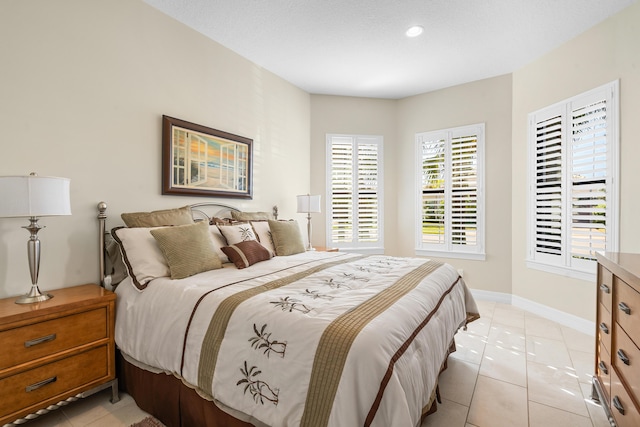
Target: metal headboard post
{"points": [[105, 280]]}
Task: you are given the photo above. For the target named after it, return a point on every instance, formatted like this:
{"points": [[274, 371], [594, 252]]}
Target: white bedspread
{"points": [[265, 348]]}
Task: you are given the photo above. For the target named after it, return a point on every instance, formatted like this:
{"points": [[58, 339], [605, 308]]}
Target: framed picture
{"points": [[200, 161]]}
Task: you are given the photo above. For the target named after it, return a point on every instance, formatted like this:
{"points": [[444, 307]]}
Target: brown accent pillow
{"points": [[244, 254], [286, 237], [188, 249], [178, 216]]}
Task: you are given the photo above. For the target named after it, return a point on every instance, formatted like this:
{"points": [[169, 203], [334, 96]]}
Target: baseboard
{"points": [[566, 319]]}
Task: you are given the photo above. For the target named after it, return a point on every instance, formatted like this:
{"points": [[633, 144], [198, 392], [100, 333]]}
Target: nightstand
{"points": [[56, 351], [324, 249]]}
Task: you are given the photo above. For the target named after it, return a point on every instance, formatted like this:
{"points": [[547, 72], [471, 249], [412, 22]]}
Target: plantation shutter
{"points": [[574, 162], [355, 199], [450, 203]]}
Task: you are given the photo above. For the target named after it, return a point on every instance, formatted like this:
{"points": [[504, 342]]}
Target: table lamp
{"points": [[31, 197], [308, 204]]}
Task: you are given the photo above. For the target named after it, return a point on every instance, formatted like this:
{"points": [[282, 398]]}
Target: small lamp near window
{"points": [[31, 197], [308, 204]]}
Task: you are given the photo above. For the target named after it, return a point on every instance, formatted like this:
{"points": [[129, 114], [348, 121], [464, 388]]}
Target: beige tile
{"points": [[558, 388], [124, 416], [548, 352], [507, 337], [96, 406], [576, 340], [504, 364], [55, 418], [469, 347], [458, 381], [449, 414], [497, 404], [479, 327], [486, 308], [596, 411], [546, 416], [509, 317], [584, 365], [539, 327]]}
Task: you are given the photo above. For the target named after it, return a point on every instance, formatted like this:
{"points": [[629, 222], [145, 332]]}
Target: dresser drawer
{"points": [[53, 379], [604, 330], [622, 407], [626, 359], [603, 371], [627, 308], [30, 342], [605, 287]]}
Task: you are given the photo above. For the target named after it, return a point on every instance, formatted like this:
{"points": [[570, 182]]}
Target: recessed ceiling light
{"points": [[414, 31]]}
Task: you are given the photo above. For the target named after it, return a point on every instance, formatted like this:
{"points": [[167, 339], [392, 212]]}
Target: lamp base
{"points": [[33, 296]]}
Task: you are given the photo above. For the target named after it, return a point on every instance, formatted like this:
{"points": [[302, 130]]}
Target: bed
{"points": [[274, 335]]}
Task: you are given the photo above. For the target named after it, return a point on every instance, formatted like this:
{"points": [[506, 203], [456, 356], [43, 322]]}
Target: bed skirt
{"points": [[173, 403]]}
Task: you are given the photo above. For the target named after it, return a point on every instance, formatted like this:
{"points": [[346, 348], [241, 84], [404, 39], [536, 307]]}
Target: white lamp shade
{"points": [[27, 196], [308, 204]]}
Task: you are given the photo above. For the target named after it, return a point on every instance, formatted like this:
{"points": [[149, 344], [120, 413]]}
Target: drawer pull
{"points": [[42, 383], [603, 368], [40, 340], [623, 357], [604, 288], [618, 405], [604, 328], [624, 307]]}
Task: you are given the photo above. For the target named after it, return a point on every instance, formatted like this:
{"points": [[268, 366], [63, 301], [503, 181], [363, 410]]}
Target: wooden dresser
{"points": [[55, 351], [617, 365]]}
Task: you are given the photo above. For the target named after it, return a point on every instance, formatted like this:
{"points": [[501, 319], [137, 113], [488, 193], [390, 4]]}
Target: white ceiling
{"points": [[358, 47]]}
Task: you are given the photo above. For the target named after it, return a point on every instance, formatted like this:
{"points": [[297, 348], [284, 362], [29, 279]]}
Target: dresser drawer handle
{"points": [[623, 357], [603, 368], [42, 383], [41, 340], [625, 308], [618, 405], [604, 288], [603, 328]]}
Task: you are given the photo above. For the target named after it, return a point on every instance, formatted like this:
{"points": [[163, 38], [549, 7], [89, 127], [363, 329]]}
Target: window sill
{"points": [[562, 271], [370, 251], [457, 255]]}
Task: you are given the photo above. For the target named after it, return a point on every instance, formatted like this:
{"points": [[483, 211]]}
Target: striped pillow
{"points": [[244, 254]]}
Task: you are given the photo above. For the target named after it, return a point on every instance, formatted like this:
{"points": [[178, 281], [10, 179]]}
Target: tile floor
{"points": [[512, 368]]}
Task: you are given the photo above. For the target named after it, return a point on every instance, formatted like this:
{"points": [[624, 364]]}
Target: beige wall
{"points": [[484, 101], [353, 116], [607, 52], [84, 84]]}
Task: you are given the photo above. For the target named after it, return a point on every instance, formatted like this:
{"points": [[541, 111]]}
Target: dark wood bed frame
{"points": [[165, 396]]}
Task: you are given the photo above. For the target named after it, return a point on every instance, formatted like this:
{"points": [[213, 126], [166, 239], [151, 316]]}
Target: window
{"points": [[573, 164], [450, 192], [354, 202]]}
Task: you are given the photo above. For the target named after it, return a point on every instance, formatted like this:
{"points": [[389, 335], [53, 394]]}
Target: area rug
{"points": [[148, 422]]}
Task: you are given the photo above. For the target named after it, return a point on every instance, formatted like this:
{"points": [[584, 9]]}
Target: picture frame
{"points": [[201, 161]]}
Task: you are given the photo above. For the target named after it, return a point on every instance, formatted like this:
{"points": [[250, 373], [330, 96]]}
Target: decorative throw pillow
{"points": [[244, 254], [263, 234], [178, 216], [141, 255], [251, 216], [286, 237], [237, 233], [218, 242], [188, 249]]}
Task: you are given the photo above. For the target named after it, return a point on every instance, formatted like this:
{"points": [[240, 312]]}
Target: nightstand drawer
{"points": [[622, 407], [626, 359], [52, 380], [603, 332], [627, 308], [603, 371], [605, 287], [27, 343]]}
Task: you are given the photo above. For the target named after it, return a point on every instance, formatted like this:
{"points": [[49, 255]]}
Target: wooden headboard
{"points": [[200, 212]]}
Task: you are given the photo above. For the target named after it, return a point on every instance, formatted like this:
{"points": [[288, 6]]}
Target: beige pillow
{"points": [[251, 216], [218, 242], [286, 237], [263, 234], [188, 249], [237, 233], [178, 216], [141, 255]]}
